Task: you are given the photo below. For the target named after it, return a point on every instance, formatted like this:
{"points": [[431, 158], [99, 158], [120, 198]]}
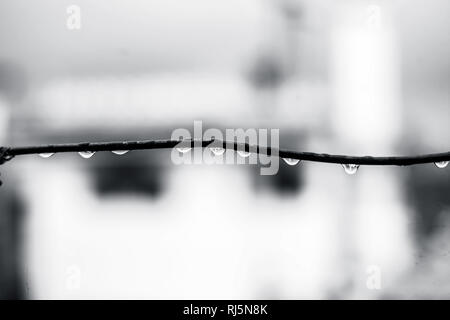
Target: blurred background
{"points": [[353, 77]]}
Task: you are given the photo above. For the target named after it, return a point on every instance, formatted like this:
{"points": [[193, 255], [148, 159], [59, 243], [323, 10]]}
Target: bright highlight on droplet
{"points": [[350, 168], [244, 154], [441, 164], [291, 162], [45, 155], [184, 150], [120, 152], [218, 151], [86, 154]]}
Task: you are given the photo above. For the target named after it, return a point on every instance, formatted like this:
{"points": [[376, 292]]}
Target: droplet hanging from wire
{"points": [[350, 168], [184, 149], [291, 162], [218, 151], [86, 154], [120, 152], [244, 154], [441, 164], [46, 155]]}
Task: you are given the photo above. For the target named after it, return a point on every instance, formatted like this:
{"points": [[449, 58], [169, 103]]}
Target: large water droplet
{"points": [[244, 154], [86, 154], [184, 149], [46, 155], [441, 164], [350, 168], [218, 151], [120, 152], [291, 162]]}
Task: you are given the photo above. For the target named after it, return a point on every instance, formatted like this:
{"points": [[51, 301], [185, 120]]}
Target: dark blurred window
{"points": [[288, 180], [428, 189], [136, 174]]}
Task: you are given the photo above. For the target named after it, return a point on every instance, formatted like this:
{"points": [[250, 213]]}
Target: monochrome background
{"points": [[350, 77]]}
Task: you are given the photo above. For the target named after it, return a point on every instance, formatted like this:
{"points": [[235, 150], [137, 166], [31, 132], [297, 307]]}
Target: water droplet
{"points": [[441, 164], [120, 152], [350, 168], [184, 150], [244, 154], [291, 162], [86, 154], [218, 151], [46, 155]]}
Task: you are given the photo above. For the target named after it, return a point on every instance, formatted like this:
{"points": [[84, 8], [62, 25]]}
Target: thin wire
{"points": [[8, 153]]}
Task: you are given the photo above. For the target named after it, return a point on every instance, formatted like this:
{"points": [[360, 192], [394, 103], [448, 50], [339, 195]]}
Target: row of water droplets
{"points": [[85, 154], [218, 151], [348, 168]]}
